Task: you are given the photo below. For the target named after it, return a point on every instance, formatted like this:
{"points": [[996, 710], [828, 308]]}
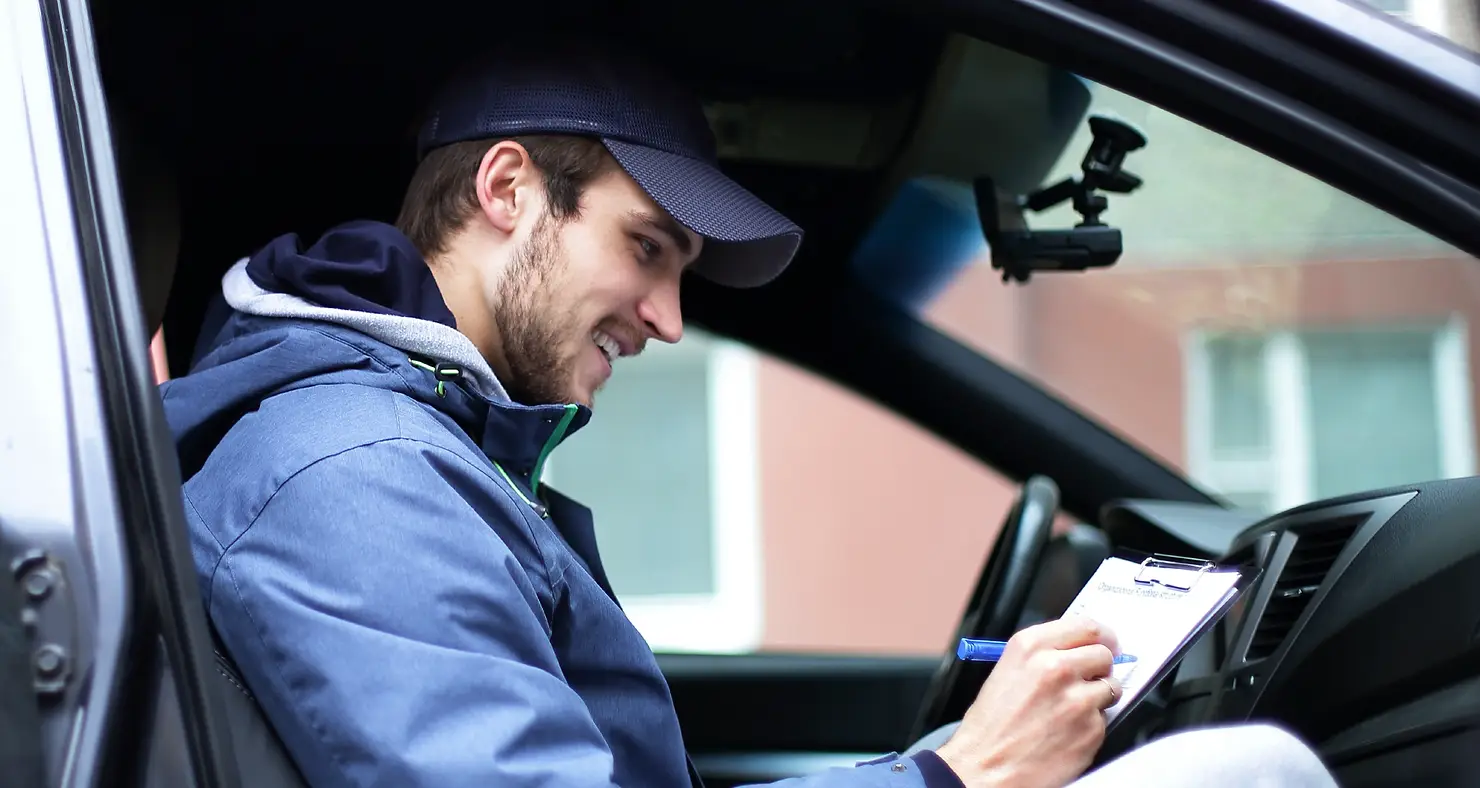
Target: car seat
{"points": [[257, 754]]}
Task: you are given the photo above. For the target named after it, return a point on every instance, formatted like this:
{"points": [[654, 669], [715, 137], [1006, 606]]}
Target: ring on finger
{"points": [[1114, 691]]}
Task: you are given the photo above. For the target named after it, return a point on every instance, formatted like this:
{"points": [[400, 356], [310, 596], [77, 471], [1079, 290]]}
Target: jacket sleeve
{"points": [[390, 641]]}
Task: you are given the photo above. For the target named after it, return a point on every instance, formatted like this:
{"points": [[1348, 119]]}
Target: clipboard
{"points": [[1163, 575]]}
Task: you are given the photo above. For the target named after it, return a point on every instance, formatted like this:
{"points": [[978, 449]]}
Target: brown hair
{"points": [[441, 196]]}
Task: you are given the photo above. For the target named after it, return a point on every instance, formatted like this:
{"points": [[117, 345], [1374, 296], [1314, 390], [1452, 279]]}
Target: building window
{"points": [[1279, 419], [668, 467], [1430, 15]]}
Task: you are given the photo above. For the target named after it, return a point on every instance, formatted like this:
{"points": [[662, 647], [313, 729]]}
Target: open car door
{"points": [[102, 636]]}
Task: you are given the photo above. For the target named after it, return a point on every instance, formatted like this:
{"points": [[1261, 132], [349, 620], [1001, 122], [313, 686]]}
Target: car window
{"points": [[1263, 332], [743, 504]]}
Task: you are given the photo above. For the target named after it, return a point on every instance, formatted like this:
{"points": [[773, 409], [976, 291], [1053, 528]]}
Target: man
{"points": [[363, 439]]}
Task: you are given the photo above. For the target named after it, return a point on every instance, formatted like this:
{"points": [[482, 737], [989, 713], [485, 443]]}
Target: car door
{"points": [[103, 639]]}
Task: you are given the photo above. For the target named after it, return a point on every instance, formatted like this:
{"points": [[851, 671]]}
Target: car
{"points": [[1184, 278]]}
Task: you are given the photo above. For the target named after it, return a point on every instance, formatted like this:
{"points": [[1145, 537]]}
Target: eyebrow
{"points": [[666, 225]]}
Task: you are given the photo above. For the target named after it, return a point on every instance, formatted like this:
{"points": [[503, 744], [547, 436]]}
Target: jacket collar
{"points": [[369, 279]]}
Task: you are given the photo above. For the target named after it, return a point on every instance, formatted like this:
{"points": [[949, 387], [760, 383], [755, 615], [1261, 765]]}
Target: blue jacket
{"points": [[407, 602]]}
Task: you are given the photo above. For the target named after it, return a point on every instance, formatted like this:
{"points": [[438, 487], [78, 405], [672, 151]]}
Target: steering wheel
{"points": [[996, 605]]}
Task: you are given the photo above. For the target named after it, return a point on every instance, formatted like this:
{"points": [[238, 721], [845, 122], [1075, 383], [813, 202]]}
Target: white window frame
{"points": [[731, 619], [1285, 473], [1431, 15]]}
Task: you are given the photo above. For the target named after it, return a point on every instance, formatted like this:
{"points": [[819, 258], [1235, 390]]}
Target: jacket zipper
{"points": [[550, 444], [538, 507], [447, 372]]}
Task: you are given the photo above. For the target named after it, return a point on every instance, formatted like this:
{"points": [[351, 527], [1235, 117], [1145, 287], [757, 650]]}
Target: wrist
{"points": [[973, 770]]}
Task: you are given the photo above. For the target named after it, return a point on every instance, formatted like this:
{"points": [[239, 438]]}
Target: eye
{"points": [[650, 249]]}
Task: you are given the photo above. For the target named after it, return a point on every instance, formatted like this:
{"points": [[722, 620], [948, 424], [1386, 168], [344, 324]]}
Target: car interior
{"points": [[882, 128]]}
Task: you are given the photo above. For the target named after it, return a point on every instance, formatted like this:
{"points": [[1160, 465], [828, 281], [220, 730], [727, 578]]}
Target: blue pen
{"points": [[991, 650]]}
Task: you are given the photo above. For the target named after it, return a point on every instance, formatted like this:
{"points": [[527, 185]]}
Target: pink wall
{"points": [[873, 529]]}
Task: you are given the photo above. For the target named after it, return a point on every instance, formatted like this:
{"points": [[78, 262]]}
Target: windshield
{"points": [[1273, 338]]}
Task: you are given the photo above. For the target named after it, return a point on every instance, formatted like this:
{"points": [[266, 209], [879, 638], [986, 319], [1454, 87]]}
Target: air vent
{"points": [[1316, 548]]}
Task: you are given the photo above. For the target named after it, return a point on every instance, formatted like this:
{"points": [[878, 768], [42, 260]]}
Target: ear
{"points": [[507, 186]]}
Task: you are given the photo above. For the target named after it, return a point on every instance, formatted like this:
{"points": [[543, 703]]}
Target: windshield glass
{"points": [[1273, 338]]}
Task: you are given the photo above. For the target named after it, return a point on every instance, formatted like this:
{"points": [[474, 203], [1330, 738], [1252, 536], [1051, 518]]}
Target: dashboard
{"points": [[1361, 633]]}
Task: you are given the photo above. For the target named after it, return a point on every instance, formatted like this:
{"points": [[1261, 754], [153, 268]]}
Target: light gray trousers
{"points": [[1250, 756], [1247, 756]]}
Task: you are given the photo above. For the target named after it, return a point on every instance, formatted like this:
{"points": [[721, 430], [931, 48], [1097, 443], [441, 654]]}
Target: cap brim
{"points": [[747, 243]]}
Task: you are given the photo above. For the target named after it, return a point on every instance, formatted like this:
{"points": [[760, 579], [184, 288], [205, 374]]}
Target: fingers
{"points": [[1068, 633], [1103, 692], [1095, 695], [1108, 639], [1109, 690], [1063, 670], [1089, 662], [1072, 658]]}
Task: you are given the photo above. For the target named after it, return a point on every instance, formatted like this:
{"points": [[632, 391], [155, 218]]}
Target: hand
{"points": [[1039, 718]]}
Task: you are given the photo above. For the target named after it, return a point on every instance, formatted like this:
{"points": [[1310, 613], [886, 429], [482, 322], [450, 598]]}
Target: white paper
{"points": [[1150, 621]]}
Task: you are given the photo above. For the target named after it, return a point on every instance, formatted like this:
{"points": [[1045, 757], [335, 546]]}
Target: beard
{"points": [[532, 328]]}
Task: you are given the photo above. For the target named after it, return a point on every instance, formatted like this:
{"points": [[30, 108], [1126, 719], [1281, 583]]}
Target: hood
{"points": [[366, 276], [359, 306]]}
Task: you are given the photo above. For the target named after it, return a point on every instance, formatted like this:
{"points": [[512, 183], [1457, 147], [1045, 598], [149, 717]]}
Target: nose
{"points": [[661, 314]]}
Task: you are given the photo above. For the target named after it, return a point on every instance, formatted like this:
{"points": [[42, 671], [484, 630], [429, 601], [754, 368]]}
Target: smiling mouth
{"points": [[607, 344]]}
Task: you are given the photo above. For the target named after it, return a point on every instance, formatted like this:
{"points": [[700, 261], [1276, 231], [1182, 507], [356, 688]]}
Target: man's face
{"points": [[584, 291]]}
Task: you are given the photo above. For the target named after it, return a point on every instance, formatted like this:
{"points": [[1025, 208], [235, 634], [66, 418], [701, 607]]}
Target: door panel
{"points": [[119, 617], [757, 718], [796, 702]]}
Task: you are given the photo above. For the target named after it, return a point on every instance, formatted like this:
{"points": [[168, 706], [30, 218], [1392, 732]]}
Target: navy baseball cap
{"points": [[656, 131]]}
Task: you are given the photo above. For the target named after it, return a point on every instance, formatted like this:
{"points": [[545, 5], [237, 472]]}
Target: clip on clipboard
{"points": [[1170, 572], [1157, 606]]}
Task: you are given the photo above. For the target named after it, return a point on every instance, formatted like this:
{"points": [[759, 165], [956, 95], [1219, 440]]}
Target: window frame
{"points": [[1285, 475]]}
